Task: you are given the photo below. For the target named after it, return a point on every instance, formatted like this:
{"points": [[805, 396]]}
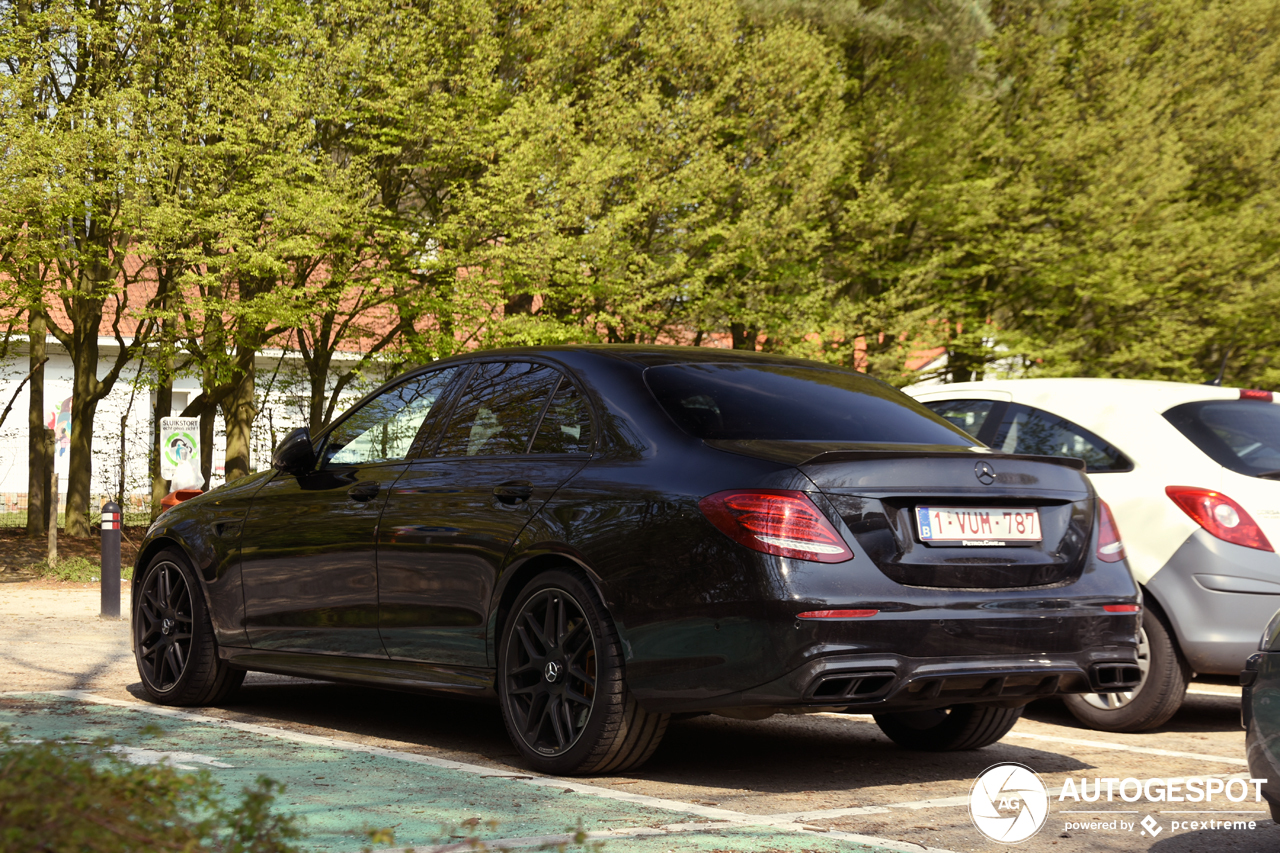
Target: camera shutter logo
{"points": [[1008, 803]]}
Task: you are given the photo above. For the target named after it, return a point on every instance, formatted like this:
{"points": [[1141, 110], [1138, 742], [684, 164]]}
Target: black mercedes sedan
{"points": [[601, 537]]}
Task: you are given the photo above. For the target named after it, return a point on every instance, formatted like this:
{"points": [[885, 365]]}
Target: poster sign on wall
{"points": [[58, 419], [180, 452]]}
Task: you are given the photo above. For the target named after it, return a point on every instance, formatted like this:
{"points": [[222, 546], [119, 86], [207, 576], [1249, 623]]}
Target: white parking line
{"points": [[1209, 691], [1097, 744], [1124, 747], [727, 816]]}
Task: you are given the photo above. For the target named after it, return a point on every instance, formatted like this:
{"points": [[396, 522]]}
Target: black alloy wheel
{"points": [[958, 727], [564, 699], [551, 674], [164, 627], [175, 649]]}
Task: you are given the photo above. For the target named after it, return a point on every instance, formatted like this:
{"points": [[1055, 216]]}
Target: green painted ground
{"points": [[339, 793]]}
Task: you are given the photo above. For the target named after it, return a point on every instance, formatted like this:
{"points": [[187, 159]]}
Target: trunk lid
{"points": [[877, 490]]}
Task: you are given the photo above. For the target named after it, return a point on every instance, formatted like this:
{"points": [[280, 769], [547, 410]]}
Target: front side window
{"points": [[1036, 432], [745, 402], [384, 428], [1241, 435], [498, 410]]}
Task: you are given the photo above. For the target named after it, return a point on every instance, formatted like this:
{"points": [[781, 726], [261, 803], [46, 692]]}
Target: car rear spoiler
{"points": [[859, 455], [821, 452]]}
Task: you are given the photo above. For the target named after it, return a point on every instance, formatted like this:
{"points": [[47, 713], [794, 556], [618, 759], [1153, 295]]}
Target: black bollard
{"points": [[111, 520]]}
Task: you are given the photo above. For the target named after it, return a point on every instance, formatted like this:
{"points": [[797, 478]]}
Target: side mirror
{"points": [[294, 454]]}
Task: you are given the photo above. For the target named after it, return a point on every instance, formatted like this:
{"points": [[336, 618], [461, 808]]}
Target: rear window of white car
{"points": [[1242, 435]]}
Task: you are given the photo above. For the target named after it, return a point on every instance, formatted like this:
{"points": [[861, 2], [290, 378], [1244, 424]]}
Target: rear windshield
{"points": [[740, 402], [1243, 435]]}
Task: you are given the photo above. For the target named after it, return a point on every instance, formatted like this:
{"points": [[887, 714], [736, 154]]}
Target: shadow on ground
{"points": [[783, 754]]}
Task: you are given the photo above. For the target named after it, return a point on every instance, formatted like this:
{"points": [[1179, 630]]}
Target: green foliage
{"points": [[1076, 187], [1136, 142], [664, 169], [466, 836], [60, 796], [77, 570]]}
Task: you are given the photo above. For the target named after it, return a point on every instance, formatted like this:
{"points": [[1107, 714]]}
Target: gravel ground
{"points": [[52, 638]]}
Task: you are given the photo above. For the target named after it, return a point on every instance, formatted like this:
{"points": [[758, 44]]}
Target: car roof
{"points": [[649, 355], [1153, 394]]}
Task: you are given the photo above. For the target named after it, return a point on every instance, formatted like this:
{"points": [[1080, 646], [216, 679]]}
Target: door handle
{"points": [[514, 492], [362, 492]]}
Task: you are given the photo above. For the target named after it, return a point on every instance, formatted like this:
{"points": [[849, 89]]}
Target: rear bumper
{"points": [[874, 684], [1219, 597]]}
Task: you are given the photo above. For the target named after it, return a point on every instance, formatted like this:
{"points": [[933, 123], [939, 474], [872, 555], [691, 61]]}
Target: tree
{"points": [[415, 94], [1138, 138], [77, 139], [661, 171]]}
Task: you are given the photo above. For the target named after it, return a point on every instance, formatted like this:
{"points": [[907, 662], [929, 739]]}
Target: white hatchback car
{"points": [[1192, 476]]}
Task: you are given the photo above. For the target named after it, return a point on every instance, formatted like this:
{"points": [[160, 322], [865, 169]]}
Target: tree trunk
{"points": [[743, 337], [37, 454], [84, 405], [518, 303], [238, 411], [964, 366], [85, 314], [318, 378]]}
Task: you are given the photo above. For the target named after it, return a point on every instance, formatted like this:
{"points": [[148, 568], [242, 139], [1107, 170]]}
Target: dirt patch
{"points": [[19, 552]]}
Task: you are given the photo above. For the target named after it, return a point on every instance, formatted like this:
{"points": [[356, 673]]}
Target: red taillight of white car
{"points": [[1219, 515], [776, 521], [1110, 548]]}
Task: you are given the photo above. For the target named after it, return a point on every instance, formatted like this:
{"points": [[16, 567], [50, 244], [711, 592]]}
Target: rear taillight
{"points": [[1255, 394], [1110, 548], [1219, 515], [776, 521], [837, 614]]}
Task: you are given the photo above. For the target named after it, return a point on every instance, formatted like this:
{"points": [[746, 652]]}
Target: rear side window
{"points": [[744, 402], [566, 426], [1242, 435], [499, 410], [1040, 433]]}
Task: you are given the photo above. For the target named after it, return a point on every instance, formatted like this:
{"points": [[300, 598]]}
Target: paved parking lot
{"points": [[354, 757]]}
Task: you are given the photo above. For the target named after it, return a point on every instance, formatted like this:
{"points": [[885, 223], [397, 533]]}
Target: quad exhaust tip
{"points": [[1115, 677]]}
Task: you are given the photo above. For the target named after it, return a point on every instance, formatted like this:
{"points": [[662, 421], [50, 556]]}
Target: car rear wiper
{"points": [[1269, 475]]}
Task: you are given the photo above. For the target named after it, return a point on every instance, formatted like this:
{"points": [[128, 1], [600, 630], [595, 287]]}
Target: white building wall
{"points": [[282, 406]]}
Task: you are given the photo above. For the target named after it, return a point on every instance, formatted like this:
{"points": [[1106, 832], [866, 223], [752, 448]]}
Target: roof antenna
{"points": [[1217, 381]]}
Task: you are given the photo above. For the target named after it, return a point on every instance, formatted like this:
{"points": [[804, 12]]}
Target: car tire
{"points": [[174, 646], [950, 729], [1159, 695], [562, 685]]}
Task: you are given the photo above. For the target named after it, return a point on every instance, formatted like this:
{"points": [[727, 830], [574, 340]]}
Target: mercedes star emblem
{"points": [[552, 671], [985, 473]]}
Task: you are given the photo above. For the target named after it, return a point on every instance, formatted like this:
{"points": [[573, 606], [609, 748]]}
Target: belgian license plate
{"points": [[978, 525]]}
